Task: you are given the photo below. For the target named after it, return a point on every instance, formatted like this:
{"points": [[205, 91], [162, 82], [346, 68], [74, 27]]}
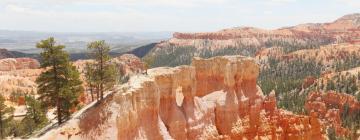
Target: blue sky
{"points": [[166, 15]]}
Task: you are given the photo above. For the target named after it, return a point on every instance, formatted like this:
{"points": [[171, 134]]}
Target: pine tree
{"points": [[5, 116], [60, 84], [90, 78], [35, 116], [105, 71]]}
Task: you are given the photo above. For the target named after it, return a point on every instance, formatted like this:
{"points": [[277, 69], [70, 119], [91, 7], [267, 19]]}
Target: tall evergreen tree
{"points": [[105, 71], [60, 84], [5, 116], [90, 78]]}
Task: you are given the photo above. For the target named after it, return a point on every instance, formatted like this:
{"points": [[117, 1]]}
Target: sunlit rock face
{"points": [[213, 98]]}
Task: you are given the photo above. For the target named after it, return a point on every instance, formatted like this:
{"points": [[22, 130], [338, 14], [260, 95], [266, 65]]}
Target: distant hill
{"points": [[25, 41], [4, 53], [143, 50], [139, 52]]}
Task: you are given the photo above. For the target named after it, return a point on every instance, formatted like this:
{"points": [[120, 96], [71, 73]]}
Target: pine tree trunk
{"points": [[97, 92], [1, 126], [59, 111], [91, 92], [102, 75], [58, 103], [101, 91]]}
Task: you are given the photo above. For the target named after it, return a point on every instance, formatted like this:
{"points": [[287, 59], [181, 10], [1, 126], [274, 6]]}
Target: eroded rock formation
{"points": [[330, 105], [213, 98], [10, 64], [18, 81], [128, 64], [17, 75]]}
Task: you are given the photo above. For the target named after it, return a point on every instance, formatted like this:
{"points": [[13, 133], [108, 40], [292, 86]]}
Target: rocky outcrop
{"points": [[213, 98], [128, 64], [329, 106], [10, 64], [18, 81], [331, 100]]}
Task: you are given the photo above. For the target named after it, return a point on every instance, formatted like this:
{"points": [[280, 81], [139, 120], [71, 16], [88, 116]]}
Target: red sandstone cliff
{"points": [[345, 29], [213, 98]]}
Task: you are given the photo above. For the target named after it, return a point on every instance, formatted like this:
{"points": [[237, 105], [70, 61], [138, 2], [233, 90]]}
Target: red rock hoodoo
{"points": [[214, 98]]}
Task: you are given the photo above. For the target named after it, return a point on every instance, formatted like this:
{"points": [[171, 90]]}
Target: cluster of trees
{"points": [[59, 86], [342, 83], [350, 120], [182, 55], [291, 45], [5, 117], [348, 61], [34, 119], [287, 80], [170, 56], [284, 77]]}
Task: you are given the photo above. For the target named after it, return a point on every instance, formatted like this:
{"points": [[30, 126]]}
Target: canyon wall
{"points": [[344, 29], [10, 64], [213, 98]]}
